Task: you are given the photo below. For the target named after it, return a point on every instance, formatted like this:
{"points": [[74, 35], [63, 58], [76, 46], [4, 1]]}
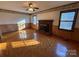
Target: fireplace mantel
{"points": [[45, 26]]}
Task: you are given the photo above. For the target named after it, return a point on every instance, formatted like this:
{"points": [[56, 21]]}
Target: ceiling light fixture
{"points": [[31, 7]]}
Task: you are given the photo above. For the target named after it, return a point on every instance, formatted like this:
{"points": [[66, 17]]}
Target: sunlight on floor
{"points": [[3, 46], [31, 42], [18, 44], [24, 43]]}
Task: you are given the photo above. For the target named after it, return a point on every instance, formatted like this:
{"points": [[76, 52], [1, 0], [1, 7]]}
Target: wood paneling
{"points": [[73, 35], [5, 28]]}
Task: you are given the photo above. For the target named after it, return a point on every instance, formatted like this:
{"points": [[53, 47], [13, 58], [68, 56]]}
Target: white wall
{"points": [[12, 18], [49, 16], [54, 15]]}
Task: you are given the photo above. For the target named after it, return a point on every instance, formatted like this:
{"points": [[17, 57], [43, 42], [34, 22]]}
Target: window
{"points": [[67, 19], [21, 24], [34, 20]]}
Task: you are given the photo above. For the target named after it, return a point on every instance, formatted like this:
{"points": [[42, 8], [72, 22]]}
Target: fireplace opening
{"points": [[44, 27]]}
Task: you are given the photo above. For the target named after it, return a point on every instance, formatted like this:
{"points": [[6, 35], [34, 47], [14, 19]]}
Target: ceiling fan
{"points": [[31, 7]]}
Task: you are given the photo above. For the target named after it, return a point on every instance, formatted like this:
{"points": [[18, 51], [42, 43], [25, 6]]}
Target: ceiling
{"points": [[20, 5]]}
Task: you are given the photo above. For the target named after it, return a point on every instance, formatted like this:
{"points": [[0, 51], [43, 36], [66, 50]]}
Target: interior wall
{"points": [[12, 18], [9, 21], [54, 15]]}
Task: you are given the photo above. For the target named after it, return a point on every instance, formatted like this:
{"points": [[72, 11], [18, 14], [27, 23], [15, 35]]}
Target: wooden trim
{"points": [[11, 11]]}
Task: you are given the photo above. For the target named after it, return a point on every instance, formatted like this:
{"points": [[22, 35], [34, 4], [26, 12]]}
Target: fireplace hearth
{"points": [[45, 26]]}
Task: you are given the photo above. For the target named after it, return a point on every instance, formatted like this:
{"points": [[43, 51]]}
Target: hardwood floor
{"points": [[33, 44]]}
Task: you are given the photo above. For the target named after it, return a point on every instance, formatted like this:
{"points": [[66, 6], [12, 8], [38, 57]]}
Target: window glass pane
{"points": [[34, 20], [66, 25], [69, 16]]}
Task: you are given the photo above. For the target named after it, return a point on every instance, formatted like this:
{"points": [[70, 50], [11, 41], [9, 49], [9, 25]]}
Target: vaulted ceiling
{"points": [[19, 6]]}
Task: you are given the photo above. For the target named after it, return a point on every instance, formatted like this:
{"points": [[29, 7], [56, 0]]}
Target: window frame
{"points": [[74, 20]]}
